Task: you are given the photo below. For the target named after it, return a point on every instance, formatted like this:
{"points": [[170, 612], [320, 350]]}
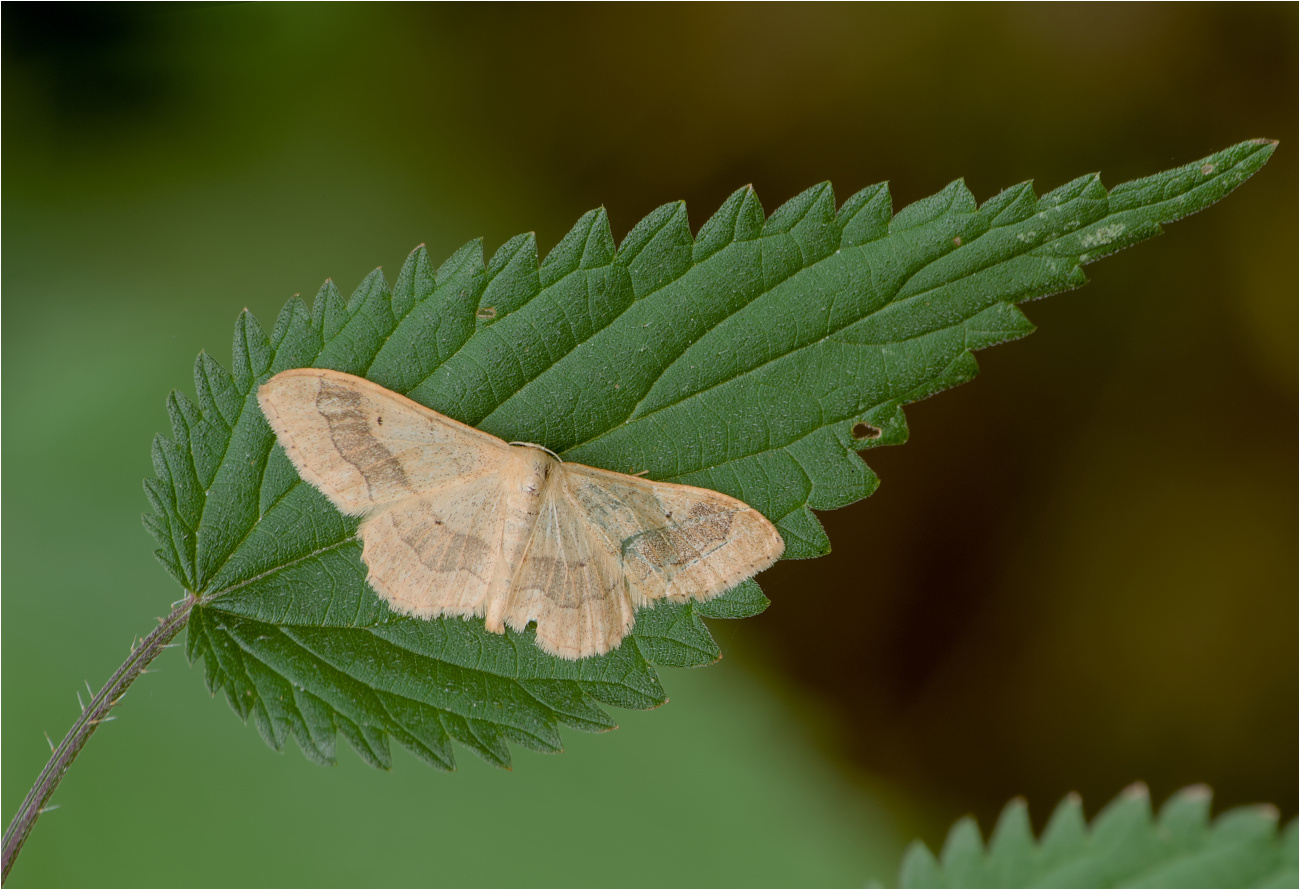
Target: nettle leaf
{"points": [[755, 358], [1125, 846]]}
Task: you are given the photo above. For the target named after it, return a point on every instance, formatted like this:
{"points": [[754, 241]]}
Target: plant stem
{"points": [[92, 715]]}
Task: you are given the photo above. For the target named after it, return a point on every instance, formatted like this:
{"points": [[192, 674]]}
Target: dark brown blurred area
{"points": [[1080, 571]]}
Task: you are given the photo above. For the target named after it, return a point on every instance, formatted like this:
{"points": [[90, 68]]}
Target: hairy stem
{"points": [[92, 715]]}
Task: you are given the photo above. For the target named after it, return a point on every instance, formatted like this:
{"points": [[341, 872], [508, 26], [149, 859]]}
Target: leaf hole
{"points": [[863, 431], [1207, 169]]}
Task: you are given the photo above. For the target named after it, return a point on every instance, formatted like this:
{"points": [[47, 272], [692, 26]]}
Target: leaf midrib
{"points": [[699, 393]]}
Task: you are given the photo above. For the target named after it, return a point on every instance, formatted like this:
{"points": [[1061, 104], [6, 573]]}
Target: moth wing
{"points": [[570, 581], [436, 554], [674, 542], [364, 446]]}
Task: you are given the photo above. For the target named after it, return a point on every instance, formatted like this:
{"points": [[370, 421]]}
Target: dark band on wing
{"points": [[437, 548], [350, 432], [684, 542]]}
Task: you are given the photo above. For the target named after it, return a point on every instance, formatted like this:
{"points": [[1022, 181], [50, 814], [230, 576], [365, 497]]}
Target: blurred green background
{"points": [[1080, 572]]}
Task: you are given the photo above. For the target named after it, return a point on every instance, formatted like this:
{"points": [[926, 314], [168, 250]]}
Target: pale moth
{"points": [[458, 522]]}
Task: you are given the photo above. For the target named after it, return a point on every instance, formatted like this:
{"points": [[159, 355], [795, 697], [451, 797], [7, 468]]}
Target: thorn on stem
{"points": [[80, 702], [48, 740], [46, 809]]}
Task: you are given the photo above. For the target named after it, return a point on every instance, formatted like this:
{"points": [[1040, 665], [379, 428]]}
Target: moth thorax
{"points": [[535, 467]]}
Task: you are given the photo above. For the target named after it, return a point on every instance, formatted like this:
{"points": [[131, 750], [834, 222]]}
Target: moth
{"points": [[459, 522]]}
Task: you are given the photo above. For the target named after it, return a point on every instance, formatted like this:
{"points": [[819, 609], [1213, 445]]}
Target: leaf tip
{"points": [[1267, 811], [1136, 791]]}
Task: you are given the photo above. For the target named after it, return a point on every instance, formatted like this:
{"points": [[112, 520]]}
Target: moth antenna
{"points": [[543, 447]]}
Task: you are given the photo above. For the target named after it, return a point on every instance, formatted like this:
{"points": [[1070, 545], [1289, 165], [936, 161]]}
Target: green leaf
{"points": [[755, 359], [1125, 847]]}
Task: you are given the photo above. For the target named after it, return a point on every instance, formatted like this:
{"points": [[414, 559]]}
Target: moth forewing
{"points": [[458, 522], [365, 446]]}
